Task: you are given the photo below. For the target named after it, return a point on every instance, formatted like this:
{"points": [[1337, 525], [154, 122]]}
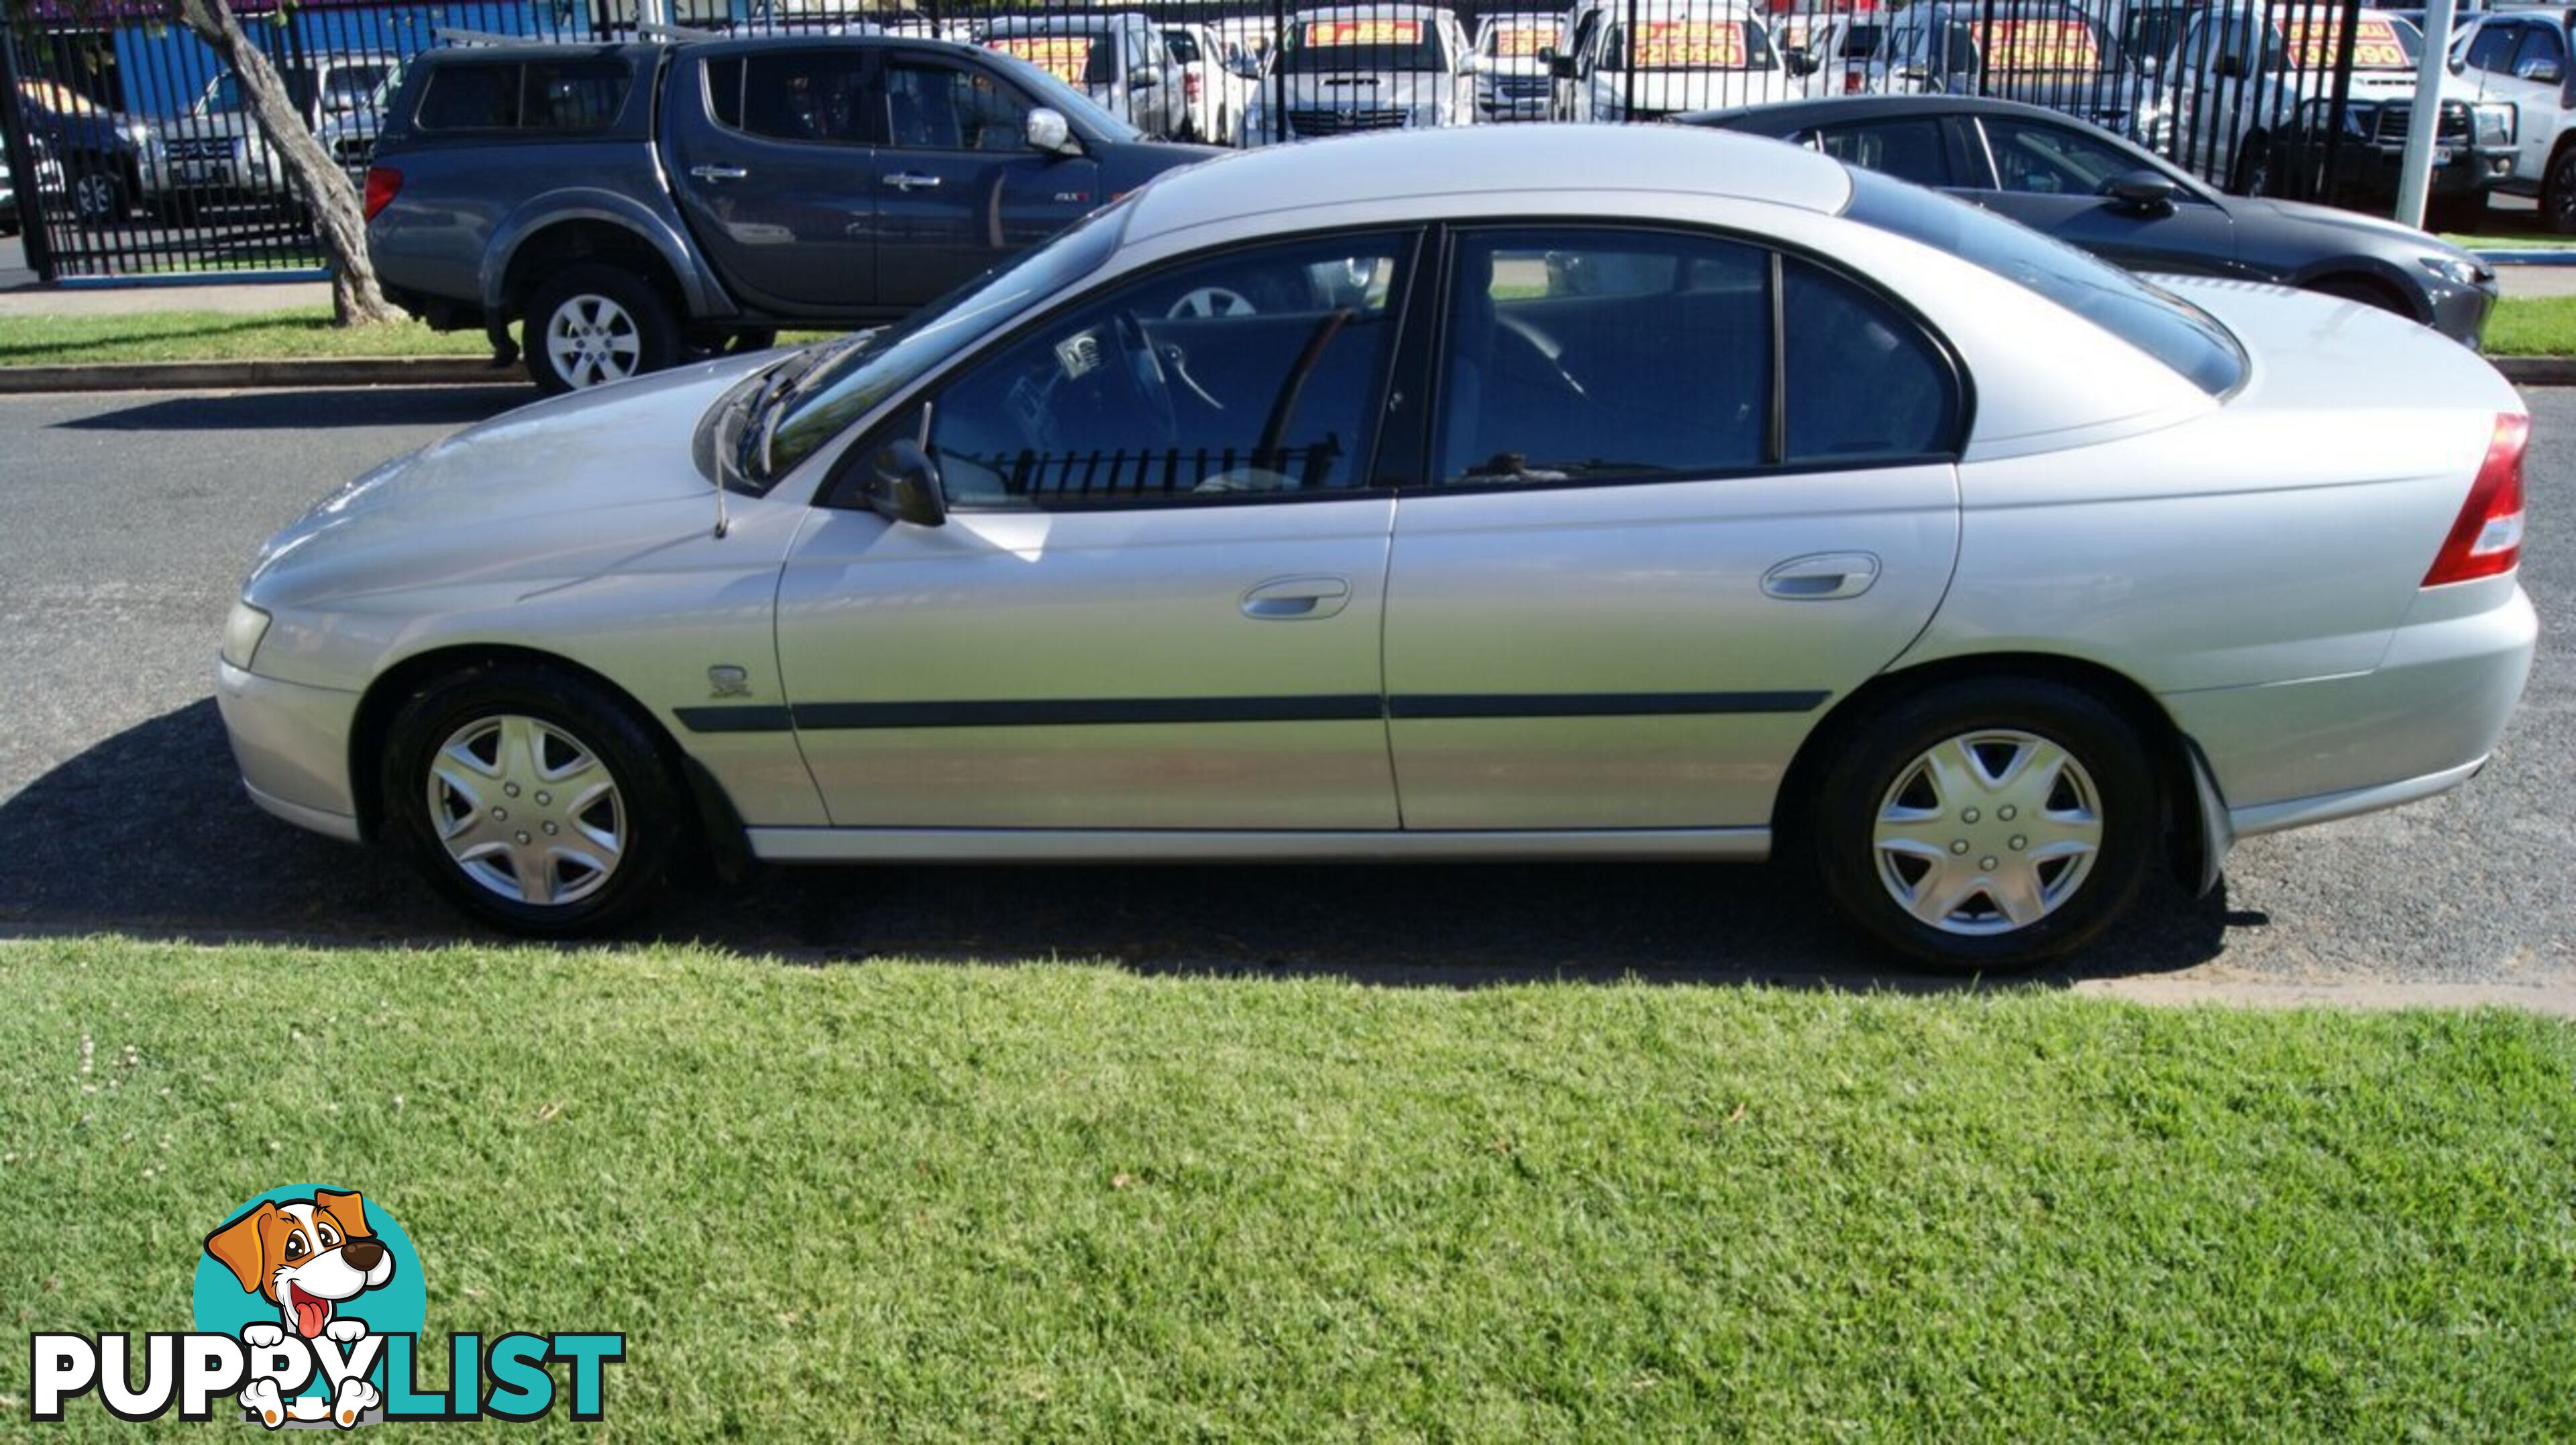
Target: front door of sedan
{"points": [[1156, 598], [773, 157], [2049, 176], [1660, 534], [959, 188]]}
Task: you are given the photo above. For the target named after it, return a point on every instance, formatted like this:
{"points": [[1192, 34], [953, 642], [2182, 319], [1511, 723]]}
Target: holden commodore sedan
{"points": [[1558, 493]]}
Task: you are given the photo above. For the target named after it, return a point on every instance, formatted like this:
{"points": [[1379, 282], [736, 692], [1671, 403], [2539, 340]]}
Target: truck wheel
{"points": [[591, 325], [98, 198], [2254, 167], [2461, 214], [2558, 193]]}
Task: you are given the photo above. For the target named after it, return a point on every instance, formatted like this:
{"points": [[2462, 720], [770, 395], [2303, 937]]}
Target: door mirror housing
{"points": [[1050, 132], [2228, 66], [2147, 191], [902, 485], [2540, 70], [1146, 79], [1800, 62], [1564, 67]]}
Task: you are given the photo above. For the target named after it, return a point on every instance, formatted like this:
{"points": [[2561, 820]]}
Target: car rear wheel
{"points": [[591, 325], [98, 198], [534, 801], [1988, 825], [2254, 167]]}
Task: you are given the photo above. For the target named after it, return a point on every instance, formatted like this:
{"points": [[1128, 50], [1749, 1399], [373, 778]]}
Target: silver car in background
{"points": [[1483, 494]]}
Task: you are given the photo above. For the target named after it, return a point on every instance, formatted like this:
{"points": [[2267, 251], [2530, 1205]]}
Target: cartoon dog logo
{"points": [[307, 1257]]}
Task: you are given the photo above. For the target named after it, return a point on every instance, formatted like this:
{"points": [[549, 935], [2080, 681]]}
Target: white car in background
{"points": [[1685, 55], [1212, 91], [1837, 46], [1511, 69], [1366, 67]]}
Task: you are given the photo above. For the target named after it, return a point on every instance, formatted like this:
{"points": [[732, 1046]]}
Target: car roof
{"points": [[641, 51], [1090, 22], [1786, 117], [1375, 12], [1502, 161]]}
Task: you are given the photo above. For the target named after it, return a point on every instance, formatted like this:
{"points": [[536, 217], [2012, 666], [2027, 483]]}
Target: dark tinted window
{"points": [[1594, 354], [471, 97], [2036, 158], [1863, 379], [2153, 320], [810, 95], [1910, 150], [2539, 43], [1183, 47], [1254, 373], [550, 95], [724, 91], [946, 107]]}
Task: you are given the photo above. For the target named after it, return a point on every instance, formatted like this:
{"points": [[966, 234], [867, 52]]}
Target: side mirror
{"points": [[1546, 54], [2541, 70], [2228, 66], [1801, 63], [1564, 67], [903, 485], [2152, 192], [1146, 79], [1050, 132]]}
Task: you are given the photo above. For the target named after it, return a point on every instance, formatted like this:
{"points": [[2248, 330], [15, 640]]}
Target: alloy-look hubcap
{"points": [[1988, 832], [526, 810], [592, 340]]}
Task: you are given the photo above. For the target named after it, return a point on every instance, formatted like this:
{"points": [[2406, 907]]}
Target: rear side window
{"points": [[540, 95], [1864, 382], [2155, 321]]}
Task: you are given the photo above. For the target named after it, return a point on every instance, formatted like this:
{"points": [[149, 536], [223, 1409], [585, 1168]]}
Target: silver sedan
{"points": [[1550, 492]]}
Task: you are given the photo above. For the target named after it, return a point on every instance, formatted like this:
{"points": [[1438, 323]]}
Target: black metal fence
{"points": [[135, 158]]}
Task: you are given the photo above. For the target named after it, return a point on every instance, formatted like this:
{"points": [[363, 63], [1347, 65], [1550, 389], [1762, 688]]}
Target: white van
{"points": [[1684, 55], [1366, 67]]}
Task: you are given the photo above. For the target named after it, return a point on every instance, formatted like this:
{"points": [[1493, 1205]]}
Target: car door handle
{"points": [[1822, 576], [1288, 599], [905, 181], [719, 173]]}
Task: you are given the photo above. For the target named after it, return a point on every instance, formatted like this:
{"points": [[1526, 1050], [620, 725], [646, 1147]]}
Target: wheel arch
{"points": [[2192, 815], [553, 233], [720, 827], [2376, 277]]}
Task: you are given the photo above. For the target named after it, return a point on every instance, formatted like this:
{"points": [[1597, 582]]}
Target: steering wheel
{"points": [[1145, 376], [1208, 301]]}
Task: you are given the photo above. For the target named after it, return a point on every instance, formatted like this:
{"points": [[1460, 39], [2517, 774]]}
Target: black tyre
{"points": [[594, 324], [1989, 825], [532, 799], [2558, 193], [2463, 214]]}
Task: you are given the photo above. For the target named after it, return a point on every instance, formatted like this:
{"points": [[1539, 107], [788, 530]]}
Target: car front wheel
{"points": [[2558, 194], [591, 325], [1989, 825], [534, 801]]}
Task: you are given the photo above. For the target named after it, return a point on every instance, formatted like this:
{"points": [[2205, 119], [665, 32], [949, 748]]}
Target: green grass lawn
{"points": [[2533, 326], [895, 1201]]}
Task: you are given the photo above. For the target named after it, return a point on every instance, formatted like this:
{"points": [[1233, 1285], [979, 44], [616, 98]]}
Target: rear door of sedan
{"points": [[1659, 532]]}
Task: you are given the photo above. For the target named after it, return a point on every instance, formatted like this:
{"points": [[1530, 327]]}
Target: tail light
{"points": [[1190, 86], [1853, 81], [382, 183], [2487, 538]]}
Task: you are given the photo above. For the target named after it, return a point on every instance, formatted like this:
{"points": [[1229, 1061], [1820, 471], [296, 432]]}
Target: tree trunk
{"points": [[337, 220]]}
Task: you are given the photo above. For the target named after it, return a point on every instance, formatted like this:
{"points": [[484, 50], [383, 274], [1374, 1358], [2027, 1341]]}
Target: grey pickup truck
{"points": [[638, 205]]}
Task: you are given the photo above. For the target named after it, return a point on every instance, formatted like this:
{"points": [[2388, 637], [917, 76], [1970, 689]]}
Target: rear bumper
{"points": [[2424, 720], [292, 745]]}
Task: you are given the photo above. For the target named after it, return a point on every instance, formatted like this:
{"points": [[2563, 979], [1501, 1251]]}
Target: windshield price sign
{"points": [[2041, 45], [1364, 32], [2375, 46], [1065, 57], [1691, 45]]}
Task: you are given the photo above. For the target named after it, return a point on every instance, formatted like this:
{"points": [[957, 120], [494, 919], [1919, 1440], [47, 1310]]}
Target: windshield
{"points": [[848, 378], [1517, 37], [2309, 41], [1073, 59], [2155, 321], [1691, 42], [2027, 43], [1343, 45]]}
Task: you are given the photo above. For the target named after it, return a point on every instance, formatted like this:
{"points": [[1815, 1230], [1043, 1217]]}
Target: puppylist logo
{"points": [[309, 1310]]}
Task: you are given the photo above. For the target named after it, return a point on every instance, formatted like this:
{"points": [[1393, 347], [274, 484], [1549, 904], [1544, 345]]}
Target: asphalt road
{"points": [[126, 521]]}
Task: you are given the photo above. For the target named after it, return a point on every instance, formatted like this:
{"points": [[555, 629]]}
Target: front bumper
{"points": [[2287, 755], [2365, 172], [292, 745]]}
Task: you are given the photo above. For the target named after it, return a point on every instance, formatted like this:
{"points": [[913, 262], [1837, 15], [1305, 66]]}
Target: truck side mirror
{"points": [[1050, 132]]}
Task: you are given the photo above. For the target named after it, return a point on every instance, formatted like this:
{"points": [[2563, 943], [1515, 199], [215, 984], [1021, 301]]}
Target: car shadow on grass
{"points": [[148, 833], [356, 406]]}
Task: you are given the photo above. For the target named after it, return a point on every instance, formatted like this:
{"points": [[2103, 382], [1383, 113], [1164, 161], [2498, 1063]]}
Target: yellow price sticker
{"points": [[2043, 46], [1691, 45], [2375, 45], [1066, 57], [1364, 32]]}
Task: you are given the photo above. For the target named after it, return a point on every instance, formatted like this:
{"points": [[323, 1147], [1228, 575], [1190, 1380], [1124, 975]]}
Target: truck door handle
{"points": [[1285, 599], [1822, 576], [719, 173], [905, 181]]}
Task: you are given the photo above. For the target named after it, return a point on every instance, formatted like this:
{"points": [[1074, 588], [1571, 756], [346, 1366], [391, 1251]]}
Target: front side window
{"points": [[936, 106], [1910, 150], [2491, 49], [2052, 160], [1582, 355], [2540, 45], [800, 95], [1254, 373]]}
